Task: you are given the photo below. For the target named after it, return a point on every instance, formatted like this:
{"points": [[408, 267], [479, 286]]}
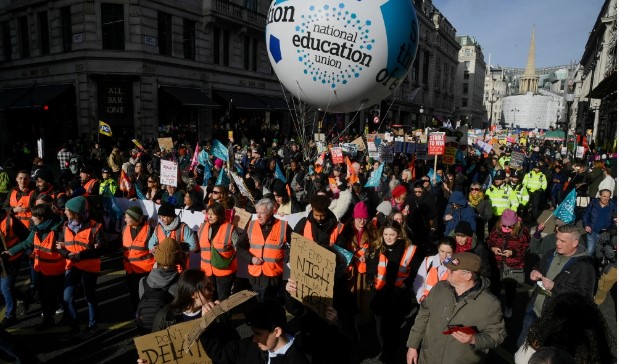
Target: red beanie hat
{"points": [[360, 211], [398, 191]]}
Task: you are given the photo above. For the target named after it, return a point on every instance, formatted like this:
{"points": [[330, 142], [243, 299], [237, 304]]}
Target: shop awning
{"points": [[242, 101], [39, 96], [276, 103], [9, 95], [189, 96]]}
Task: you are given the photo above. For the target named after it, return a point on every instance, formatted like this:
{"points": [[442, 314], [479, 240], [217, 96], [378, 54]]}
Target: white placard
{"points": [[169, 173]]}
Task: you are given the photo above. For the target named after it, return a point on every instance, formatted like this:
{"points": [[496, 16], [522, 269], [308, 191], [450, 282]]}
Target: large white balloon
{"points": [[342, 55]]}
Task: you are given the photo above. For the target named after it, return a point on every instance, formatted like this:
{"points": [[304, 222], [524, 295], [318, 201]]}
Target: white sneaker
{"points": [[508, 312], [59, 311]]}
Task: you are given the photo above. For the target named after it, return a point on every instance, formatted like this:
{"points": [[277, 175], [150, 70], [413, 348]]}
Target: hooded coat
{"points": [[463, 213]]}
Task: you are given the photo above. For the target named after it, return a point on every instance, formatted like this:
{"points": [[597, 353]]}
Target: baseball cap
{"points": [[465, 261]]}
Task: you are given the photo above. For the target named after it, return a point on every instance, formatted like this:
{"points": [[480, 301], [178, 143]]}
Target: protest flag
{"points": [[565, 211], [105, 129]]}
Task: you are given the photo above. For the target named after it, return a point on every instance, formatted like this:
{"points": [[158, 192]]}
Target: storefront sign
{"points": [[115, 102]]}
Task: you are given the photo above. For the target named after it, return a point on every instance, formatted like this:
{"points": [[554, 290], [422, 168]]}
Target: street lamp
{"points": [[421, 124], [570, 99], [492, 99]]}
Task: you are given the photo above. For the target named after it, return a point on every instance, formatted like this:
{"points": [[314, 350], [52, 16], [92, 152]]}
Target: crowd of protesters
{"points": [[430, 247]]}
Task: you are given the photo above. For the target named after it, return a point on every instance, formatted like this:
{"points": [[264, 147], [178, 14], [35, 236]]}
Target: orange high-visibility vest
{"points": [[137, 258], [9, 236], [403, 270], [222, 241], [47, 260], [23, 201], [84, 239], [271, 250], [431, 279], [88, 186], [358, 253], [307, 232], [178, 234]]}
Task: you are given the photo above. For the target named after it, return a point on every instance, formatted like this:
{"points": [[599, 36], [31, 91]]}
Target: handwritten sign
{"points": [[516, 160], [436, 144], [241, 217], [175, 345], [449, 158], [165, 143], [360, 144], [169, 173], [313, 267], [240, 184]]}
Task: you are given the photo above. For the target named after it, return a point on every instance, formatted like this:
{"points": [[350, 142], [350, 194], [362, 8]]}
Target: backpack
{"points": [[4, 182], [152, 301]]}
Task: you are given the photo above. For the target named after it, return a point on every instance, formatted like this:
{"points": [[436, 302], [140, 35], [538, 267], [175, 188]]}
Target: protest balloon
{"points": [[345, 55]]}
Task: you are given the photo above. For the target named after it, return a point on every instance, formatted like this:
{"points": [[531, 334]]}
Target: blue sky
{"points": [[503, 28]]}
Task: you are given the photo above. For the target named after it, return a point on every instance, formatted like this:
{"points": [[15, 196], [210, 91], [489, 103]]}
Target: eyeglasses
{"points": [[508, 226], [475, 189]]}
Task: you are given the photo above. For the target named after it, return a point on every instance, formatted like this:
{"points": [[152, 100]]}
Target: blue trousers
{"points": [[7, 286], [72, 277]]}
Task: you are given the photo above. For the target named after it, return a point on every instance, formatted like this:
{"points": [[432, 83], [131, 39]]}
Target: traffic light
{"points": [[45, 107]]}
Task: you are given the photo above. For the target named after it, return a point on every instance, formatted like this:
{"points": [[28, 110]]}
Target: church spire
{"points": [[529, 80]]}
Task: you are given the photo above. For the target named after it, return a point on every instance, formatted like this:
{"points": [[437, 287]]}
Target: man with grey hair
{"points": [[567, 268], [265, 250]]}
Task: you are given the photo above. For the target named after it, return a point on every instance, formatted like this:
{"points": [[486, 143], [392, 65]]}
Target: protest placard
{"points": [[360, 144], [240, 184], [241, 217], [349, 148], [313, 268], [386, 154], [516, 160], [165, 143], [449, 158], [175, 345], [436, 144], [169, 173], [336, 155]]}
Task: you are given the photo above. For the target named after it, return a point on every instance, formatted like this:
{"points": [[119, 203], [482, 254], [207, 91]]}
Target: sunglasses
{"points": [[150, 181], [216, 192], [475, 189]]}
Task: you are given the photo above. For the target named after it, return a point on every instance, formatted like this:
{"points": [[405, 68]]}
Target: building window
{"points": [[164, 32], [416, 68], [251, 5], [67, 28], [466, 75], [43, 32], [221, 47], [465, 88], [250, 54], [113, 26], [465, 102], [24, 39], [7, 48], [189, 39]]}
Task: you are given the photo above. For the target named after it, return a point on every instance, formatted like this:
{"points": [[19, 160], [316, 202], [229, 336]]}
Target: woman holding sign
{"points": [[390, 264]]}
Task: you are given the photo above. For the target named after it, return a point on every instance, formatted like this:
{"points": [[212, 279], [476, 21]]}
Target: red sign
{"points": [[436, 144]]}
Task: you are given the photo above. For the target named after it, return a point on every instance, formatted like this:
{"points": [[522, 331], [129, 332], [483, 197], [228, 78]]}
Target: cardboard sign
{"points": [[516, 160], [176, 343], [336, 155], [240, 184], [360, 144], [241, 218], [449, 158], [436, 144], [165, 143], [313, 267], [169, 173]]}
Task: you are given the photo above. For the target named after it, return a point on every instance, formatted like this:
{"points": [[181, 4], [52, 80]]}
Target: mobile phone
{"points": [[461, 328]]}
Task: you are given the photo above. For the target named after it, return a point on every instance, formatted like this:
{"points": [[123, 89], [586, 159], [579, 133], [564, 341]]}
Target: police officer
{"points": [[501, 197], [535, 182], [521, 193]]}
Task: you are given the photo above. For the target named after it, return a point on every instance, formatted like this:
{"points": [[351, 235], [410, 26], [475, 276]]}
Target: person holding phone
{"points": [[463, 300]]}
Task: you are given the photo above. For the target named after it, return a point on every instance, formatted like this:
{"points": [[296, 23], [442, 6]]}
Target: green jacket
{"points": [[478, 308]]}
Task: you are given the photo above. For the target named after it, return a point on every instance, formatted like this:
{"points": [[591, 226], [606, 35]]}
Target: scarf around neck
{"points": [[474, 201]]}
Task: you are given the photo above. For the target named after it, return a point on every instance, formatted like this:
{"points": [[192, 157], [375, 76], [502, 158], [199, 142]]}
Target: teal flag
{"points": [[565, 211], [374, 179], [219, 150], [278, 173], [223, 179], [139, 193]]}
